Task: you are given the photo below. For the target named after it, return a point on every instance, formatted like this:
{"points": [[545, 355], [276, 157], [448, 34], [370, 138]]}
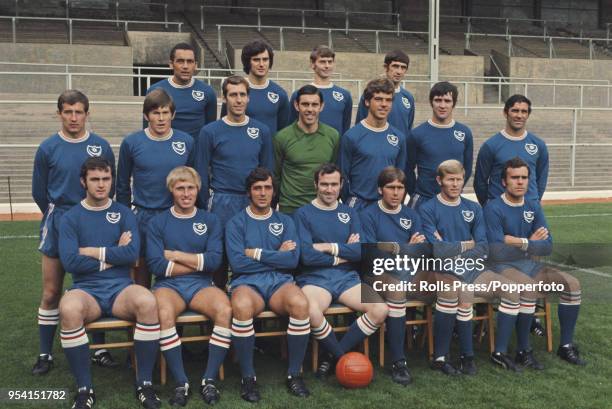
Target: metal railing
{"points": [[545, 23], [302, 13], [329, 31], [70, 21]]}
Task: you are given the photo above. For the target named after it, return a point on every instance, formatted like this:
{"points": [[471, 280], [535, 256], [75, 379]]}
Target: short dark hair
{"points": [[383, 85], [182, 46], [308, 90], [252, 49], [517, 99], [234, 80], [258, 175], [93, 164], [71, 97], [321, 51], [390, 174], [156, 99], [514, 163], [327, 169], [442, 88], [397, 55]]}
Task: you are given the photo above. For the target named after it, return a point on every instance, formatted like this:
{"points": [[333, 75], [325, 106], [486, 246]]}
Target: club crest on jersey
{"points": [[197, 95], [273, 97], [113, 217], [338, 96], [94, 150], [531, 148], [406, 102], [459, 135], [405, 223], [392, 139], [344, 217], [276, 228], [468, 215], [178, 147], [528, 215], [200, 228], [253, 132]]}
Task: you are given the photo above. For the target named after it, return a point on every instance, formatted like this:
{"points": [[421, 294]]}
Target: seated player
{"points": [[370, 146], [145, 159], [330, 249], [456, 228], [262, 248], [55, 189], [518, 232], [390, 228], [184, 247], [99, 243]]}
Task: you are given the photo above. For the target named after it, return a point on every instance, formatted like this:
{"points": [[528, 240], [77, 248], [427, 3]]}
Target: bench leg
{"points": [[491, 324], [381, 345], [315, 355], [548, 321]]}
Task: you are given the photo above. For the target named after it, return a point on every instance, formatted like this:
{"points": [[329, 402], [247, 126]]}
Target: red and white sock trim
{"points": [[146, 332], [168, 339], [447, 306], [298, 327], [221, 337], [527, 306], [242, 328], [570, 297], [508, 307], [397, 309], [48, 317], [366, 325], [72, 338], [322, 330], [465, 314]]}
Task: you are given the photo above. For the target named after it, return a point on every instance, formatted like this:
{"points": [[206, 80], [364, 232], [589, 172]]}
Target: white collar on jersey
{"points": [[512, 204], [96, 208], [258, 217], [371, 128], [513, 138], [73, 140], [183, 216], [330, 85], [398, 89], [446, 202], [175, 85], [256, 86], [382, 207], [228, 122], [158, 139], [435, 125], [320, 206]]}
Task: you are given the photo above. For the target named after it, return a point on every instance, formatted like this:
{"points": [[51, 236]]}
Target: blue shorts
{"points": [[143, 217], [227, 205], [358, 204], [186, 286], [49, 231], [104, 291], [333, 281], [417, 200], [265, 284], [525, 266]]}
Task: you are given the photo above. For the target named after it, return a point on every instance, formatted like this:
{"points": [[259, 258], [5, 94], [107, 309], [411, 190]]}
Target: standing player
{"points": [[262, 247], [402, 113], [55, 189], [145, 159], [301, 148], [456, 228], [431, 143], [330, 250], [195, 101], [513, 141], [517, 231], [228, 150], [268, 101], [370, 146], [99, 242], [338, 101], [184, 248]]}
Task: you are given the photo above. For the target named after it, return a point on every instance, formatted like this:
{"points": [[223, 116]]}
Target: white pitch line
{"points": [[567, 216], [586, 270], [18, 237]]}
